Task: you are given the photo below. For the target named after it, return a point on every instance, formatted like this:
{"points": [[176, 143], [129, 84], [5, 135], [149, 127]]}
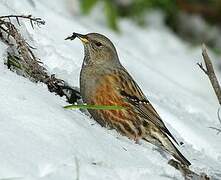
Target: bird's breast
{"points": [[124, 120]]}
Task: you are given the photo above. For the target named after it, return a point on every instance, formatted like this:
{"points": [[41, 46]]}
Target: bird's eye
{"points": [[98, 44]]}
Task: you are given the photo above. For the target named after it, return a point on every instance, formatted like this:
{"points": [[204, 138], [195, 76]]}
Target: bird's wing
{"points": [[133, 95]]}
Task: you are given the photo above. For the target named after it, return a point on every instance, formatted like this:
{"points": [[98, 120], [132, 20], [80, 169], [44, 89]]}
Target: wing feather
{"points": [[135, 96]]}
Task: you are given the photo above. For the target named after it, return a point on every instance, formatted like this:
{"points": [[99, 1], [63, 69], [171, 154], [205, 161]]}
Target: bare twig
{"points": [[202, 68], [209, 71], [32, 20], [219, 118], [217, 129]]}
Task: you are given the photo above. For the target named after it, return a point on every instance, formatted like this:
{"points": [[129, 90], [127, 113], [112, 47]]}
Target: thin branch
{"points": [[217, 129], [38, 21], [219, 118], [202, 68], [210, 73]]}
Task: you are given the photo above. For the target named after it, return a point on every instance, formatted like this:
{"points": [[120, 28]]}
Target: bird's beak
{"points": [[82, 37]]}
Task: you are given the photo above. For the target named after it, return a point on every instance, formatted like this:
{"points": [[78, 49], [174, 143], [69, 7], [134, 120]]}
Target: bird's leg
{"points": [[137, 139]]}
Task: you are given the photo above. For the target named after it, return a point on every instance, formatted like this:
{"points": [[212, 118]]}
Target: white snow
{"points": [[41, 140]]}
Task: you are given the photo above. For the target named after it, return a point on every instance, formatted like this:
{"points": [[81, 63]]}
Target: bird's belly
{"points": [[125, 120]]}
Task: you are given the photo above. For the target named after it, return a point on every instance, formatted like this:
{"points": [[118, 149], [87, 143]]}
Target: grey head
{"points": [[99, 50]]}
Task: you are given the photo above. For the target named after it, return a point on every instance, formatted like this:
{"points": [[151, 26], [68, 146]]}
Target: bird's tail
{"points": [[165, 143], [178, 155]]}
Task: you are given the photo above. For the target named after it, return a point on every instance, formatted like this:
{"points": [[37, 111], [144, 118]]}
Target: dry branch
{"points": [[209, 71], [21, 58], [33, 20]]}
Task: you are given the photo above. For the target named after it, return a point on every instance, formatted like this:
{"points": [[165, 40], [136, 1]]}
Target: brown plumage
{"points": [[104, 81]]}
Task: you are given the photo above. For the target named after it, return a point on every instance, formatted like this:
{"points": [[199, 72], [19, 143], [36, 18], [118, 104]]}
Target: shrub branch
{"points": [[209, 71], [22, 60]]}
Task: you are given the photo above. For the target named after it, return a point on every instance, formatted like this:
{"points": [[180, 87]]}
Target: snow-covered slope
{"points": [[41, 140]]}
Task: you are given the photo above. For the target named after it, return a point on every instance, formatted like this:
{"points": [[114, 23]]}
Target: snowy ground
{"points": [[41, 140]]}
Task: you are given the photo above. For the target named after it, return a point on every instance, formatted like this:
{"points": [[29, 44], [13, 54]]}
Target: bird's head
{"points": [[98, 48]]}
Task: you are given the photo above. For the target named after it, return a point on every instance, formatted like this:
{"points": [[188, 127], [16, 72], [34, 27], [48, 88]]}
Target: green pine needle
{"points": [[97, 107]]}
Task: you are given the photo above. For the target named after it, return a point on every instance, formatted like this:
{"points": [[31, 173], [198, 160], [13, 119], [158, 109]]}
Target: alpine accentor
{"points": [[104, 81]]}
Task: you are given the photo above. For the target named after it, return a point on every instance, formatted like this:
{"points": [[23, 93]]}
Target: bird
{"points": [[105, 81]]}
